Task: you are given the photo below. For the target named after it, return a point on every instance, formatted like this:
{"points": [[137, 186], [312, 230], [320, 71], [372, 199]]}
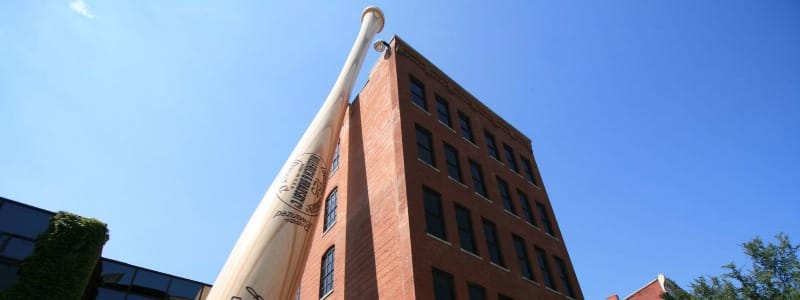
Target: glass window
{"points": [[491, 145], [8, 274], [476, 292], [503, 297], [326, 276], [330, 210], [466, 129], [564, 278], [116, 274], [418, 93], [526, 208], [443, 110], [493, 243], [434, 219], [465, 233], [451, 158], [544, 216], [477, 179], [425, 146], [506, 196], [443, 286], [181, 289], [541, 258], [512, 161], [526, 167], [151, 281], [335, 162], [23, 220], [109, 294], [16, 248], [522, 258]]}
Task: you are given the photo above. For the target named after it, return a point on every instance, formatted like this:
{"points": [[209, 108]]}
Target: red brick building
{"points": [[433, 196], [653, 290]]}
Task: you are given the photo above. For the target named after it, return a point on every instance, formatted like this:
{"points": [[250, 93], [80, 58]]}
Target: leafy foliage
{"points": [[774, 274], [63, 259]]}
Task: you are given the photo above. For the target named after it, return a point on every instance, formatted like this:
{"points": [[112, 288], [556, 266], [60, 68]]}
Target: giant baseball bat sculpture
{"points": [[268, 259]]}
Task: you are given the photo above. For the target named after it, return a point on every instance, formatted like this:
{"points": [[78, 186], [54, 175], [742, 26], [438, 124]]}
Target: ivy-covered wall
{"points": [[63, 259]]}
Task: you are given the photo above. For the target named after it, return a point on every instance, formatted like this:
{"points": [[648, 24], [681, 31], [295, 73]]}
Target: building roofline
{"points": [[660, 278], [402, 47]]}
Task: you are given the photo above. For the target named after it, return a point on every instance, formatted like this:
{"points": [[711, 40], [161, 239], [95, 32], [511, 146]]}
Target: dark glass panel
{"points": [[443, 286], [476, 292], [115, 274], [109, 294], [17, 248], [22, 220], [150, 283], [465, 233], [184, 289]]}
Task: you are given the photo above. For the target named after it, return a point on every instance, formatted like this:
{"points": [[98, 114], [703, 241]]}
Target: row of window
{"points": [[426, 154], [444, 116], [435, 226]]}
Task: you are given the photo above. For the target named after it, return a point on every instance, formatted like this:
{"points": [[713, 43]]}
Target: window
{"points": [[512, 161], [433, 213], [451, 158], [505, 195], [526, 208], [425, 146], [465, 233], [466, 130], [526, 167], [503, 297], [477, 179], [418, 93], [491, 145], [522, 258], [562, 275], [150, 281], [443, 285], [443, 110], [330, 210], [180, 289], [326, 273], [545, 219], [541, 257], [476, 292], [22, 220], [335, 162], [493, 243]]}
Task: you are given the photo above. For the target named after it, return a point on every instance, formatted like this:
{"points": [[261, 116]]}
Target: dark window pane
{"points": [[150, 283], [512, 161], [491, 145], [465, 232], [522, 258], [443, 286], [506, 196], [8, 274], [563, 277], [477, 179], [493, 243], [526, 166], [476, 292], [17, 248], [116, 275], [326, 274], [425, 146], [541, 258], [433, 213], [503, 297], [330, 210], [418, 93], [451, 158], [544, 216], [466, 129], [183, 289], [443, 111], [109, 294], [335, 162], [143, 297], [22, 220], [526, 208]]}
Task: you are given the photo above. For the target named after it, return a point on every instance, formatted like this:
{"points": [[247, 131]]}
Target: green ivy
{"points": [[63, 259]]}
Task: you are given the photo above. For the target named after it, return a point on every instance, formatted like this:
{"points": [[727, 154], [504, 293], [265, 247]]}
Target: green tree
{"points": [[774, 274]]}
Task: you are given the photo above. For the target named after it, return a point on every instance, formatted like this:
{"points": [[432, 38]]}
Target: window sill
{"points": [[470, 142], [497, 160], [552, 236], [533, 225], [534, 185], [531, 281], [471, 254], [499, 267], [326, 295], [421, 108], [447, 126], [438, 239], [429, 165], [324, 233], [552, 290], [459, 183], [511, 213], [483, 197]]}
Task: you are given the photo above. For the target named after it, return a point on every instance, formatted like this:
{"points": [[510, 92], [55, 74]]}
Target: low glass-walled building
{"points": [[20, 224]]}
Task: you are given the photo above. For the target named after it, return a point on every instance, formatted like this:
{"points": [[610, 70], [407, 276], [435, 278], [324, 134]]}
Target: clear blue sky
{"points": [[667, 132]]}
